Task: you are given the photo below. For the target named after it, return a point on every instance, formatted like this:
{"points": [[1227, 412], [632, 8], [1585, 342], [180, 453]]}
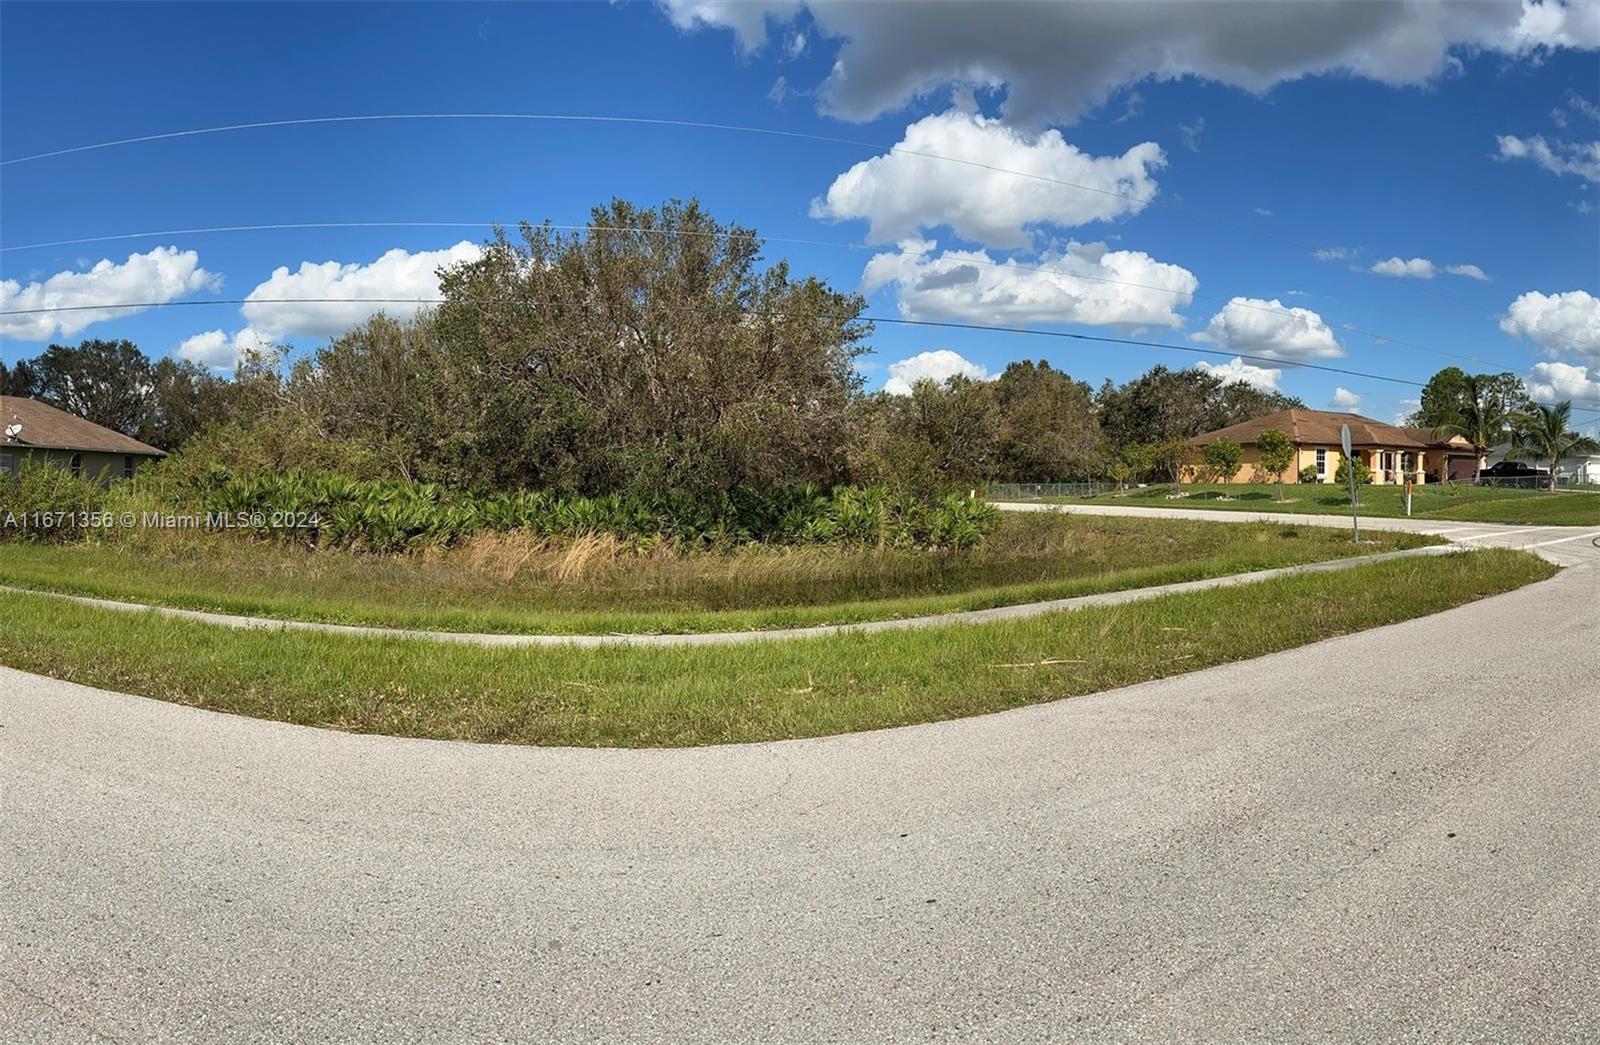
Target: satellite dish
{"points": [[13, 430]]}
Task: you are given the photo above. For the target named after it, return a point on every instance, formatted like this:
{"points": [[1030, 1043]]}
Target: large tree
{"points": [[1441, 399], [185, 398], [18, 379], [939, 437], [1164, 404], [107, 382], [1448, 393], [650, 352], [382, 386], [1048, 430]]}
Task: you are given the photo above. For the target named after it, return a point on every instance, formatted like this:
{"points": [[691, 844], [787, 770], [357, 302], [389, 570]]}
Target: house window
{"points": [[1408, 463], [8, 463], [1322, 461], [127, 466], [75, 466]]}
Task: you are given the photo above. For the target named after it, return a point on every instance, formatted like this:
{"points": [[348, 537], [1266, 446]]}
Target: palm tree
{"points": [[1483, 422], [1543, 434]]}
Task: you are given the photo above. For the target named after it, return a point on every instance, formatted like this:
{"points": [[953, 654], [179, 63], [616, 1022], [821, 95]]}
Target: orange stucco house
{"points": [[1392, 453]]}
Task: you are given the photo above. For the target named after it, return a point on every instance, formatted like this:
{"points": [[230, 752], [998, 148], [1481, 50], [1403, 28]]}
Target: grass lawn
{"points": [[508, 584], [1455, 502], [761, 691]]}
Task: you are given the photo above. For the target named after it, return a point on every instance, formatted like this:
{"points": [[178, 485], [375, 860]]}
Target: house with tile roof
{"points": [[1391, 452], [33, 433]]}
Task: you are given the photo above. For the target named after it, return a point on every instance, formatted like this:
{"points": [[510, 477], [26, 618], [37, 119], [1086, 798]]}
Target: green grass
{"points": [[705, 695], [504, 584], [1455, 502]]}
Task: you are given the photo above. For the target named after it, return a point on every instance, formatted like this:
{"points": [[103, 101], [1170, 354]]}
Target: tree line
{"points": [[651, 353]]}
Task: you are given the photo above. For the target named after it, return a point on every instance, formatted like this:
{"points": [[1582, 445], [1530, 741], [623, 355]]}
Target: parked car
{"points": [[1514, 470], [1515, 473]]}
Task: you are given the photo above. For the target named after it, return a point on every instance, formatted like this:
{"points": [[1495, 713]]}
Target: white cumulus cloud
{"points": [[219, 350], [906, 190], [1081, 283], [1422, 268], [1272, 329], [160, 275], [1557, 157], [1236, 369], [1344, 399], [1568, 322], [1056, 60], [937, 366], [747, 18], [409, 278], [1555, 382], [1418, 268]]}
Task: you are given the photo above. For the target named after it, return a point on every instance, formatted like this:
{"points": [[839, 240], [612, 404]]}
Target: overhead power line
{"points": [[660, 122], [834, 244], [1270, 361], [892, 320], [1141, 201], [580, 118]]}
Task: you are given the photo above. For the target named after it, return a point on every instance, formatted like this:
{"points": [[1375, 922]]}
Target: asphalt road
{"points": [[1389, 836]]}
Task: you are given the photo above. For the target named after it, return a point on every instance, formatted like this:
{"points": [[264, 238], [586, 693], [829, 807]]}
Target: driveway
{"points": [[1386, 836]]}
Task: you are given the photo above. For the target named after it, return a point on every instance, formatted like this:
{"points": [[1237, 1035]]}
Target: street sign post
{"points": [[1350, 471]]}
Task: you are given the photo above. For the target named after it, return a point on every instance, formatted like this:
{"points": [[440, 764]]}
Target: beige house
{"points": [[32, 432], [1391, 452]]}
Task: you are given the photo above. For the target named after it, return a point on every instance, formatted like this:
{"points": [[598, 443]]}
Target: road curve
{"points": [[1385, 836]]}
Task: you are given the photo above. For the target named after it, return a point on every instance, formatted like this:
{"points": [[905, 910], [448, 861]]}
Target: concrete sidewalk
{"points": [[1017, 611], [1563, 545]]}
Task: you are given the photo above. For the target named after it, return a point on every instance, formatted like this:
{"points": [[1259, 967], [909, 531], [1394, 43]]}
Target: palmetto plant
{"points": [[394, 516], [1545, 434], [1483, 422]]}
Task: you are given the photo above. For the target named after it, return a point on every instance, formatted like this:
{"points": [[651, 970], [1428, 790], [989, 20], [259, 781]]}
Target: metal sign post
{"points": [[1350, 470]]}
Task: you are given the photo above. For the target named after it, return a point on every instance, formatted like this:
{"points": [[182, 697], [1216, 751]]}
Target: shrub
{"points": [[45, 502], [1309, 474], [1342, 474], [395, 516], [1221, 458]]}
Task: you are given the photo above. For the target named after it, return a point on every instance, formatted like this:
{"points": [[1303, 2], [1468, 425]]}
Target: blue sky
{"points": [[1228, 153]]}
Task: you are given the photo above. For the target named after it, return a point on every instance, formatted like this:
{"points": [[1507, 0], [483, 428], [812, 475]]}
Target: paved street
{"points": [[1386, 836]]}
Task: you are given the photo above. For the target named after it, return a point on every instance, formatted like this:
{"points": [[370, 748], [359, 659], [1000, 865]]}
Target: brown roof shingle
{"points": [[1321, 427], [46, 428]]}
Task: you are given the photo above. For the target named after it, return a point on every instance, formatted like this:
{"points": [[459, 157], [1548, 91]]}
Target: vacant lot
{"points": [[1466, 503], [705, 695], [594, 586]]}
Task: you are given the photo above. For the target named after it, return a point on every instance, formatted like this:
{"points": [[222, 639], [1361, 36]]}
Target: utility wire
{"points": [[581, 118], [891, 320], [1004, 263], [1140, 201]]}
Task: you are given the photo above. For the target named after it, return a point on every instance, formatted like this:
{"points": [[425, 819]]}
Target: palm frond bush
{"points": [[396, 516]]}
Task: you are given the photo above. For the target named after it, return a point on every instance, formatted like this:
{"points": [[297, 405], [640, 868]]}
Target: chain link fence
{"points": [[1045, 491]]}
